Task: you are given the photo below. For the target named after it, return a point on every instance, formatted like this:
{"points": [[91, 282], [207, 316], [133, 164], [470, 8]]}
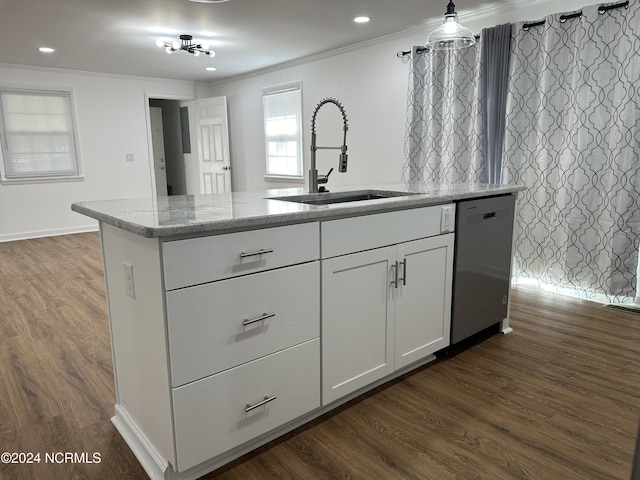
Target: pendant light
{"points": [[450, 35]]}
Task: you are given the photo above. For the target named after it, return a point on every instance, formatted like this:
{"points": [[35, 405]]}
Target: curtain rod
{"points": [[604, 8], [419, 50], [563, 18]]}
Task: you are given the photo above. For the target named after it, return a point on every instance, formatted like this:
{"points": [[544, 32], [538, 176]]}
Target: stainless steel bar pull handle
{"points": [[404, 271], [259, 318], [266, 400], [255, 253], [394, 268]]}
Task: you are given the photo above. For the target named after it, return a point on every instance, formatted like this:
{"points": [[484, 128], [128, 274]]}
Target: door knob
{"points": [[226, 168]]}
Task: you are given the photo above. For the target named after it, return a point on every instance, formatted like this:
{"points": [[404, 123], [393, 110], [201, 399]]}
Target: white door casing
{"points": [[157, 145]]}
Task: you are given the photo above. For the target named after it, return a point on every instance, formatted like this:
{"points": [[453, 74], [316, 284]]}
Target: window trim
{"points": [[270, 177], [68, 91]]}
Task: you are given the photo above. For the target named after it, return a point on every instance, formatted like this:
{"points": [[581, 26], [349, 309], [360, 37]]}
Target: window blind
{"points": [[37, 134], [283, 133]]}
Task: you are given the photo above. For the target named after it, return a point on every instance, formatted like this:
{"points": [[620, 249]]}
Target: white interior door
{"points": [[157, 143], [213, 144]]}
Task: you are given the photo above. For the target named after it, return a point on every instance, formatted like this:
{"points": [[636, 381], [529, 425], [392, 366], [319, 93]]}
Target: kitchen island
{"points": [[235, 318]]}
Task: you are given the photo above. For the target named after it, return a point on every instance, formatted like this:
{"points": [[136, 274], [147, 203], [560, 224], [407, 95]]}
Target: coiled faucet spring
{"points": [[342, 166]]}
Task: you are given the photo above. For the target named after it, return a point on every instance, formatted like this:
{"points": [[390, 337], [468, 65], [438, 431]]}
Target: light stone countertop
{"points": [[181, 215]]}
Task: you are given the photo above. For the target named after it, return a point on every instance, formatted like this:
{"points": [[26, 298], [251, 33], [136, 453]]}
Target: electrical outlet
{"points": [[129, 286], [129, 157], [447, 219]]}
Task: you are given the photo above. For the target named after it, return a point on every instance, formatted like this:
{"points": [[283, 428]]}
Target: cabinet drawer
{"points": [[217, 326], [355, 234], [210, 415], [199, 260]]}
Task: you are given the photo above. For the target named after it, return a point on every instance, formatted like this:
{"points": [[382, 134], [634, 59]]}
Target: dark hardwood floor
{"points": [[559, 398]]}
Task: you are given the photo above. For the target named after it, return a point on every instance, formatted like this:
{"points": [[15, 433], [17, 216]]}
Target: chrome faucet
{"points": [[314, 179]]}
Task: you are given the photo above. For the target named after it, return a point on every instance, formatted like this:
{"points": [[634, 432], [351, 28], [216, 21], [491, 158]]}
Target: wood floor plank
{"points": [[556, 399]]}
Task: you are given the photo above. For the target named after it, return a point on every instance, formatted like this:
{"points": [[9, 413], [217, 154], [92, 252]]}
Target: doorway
{"points": [[167, 151], [189, 146]]}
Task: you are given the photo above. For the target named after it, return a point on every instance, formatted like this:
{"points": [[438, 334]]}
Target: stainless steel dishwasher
{"points": [[484, 232]]}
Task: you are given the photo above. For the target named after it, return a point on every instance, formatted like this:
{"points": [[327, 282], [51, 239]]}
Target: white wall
{"points": [[372, 84], [111, 120]]}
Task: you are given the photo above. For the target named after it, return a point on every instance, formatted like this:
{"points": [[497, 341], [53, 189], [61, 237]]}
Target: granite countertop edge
{"points": [[141, 216]]}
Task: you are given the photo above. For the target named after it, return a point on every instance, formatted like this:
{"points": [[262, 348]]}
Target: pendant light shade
{"points": [[450, 35]]}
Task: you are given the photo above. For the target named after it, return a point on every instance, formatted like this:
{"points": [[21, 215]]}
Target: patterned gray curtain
{"points": [[444, 136], [573, 138]]}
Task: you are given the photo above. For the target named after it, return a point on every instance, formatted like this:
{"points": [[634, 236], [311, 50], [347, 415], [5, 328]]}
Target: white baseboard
{"points": [[152, 462], [47, 233]]}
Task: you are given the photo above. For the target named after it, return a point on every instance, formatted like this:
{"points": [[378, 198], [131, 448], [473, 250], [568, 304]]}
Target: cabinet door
{"points": [[357, 321], [423, 299]]}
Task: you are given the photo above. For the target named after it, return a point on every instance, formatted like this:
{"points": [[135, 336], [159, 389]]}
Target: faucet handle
{"points": [[324, 178]]}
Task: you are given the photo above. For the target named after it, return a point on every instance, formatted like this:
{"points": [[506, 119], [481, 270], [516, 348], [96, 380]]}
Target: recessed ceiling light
{"points": [[361, 19], [46, 49], [209, 1], [210, 69]]}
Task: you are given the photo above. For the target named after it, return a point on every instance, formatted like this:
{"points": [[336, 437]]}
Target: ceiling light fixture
{"points": [[450, 35], [209, 1], [361, 19], [46, 49], [186, 45]]}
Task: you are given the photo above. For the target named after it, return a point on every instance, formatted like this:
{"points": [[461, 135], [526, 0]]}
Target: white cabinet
{"points": [[423, 298], [234, 339], [383, 308]]}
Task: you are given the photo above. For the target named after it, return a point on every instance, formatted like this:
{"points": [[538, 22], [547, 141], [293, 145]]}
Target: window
{"points": [[283, 132], [37, 135]]}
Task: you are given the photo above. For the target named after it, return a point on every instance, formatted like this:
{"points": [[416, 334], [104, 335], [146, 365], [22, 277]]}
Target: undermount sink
{"points": [[342, 197]]}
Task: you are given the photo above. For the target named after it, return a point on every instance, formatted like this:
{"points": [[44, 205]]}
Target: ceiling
{"points": [[118, 36]]}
